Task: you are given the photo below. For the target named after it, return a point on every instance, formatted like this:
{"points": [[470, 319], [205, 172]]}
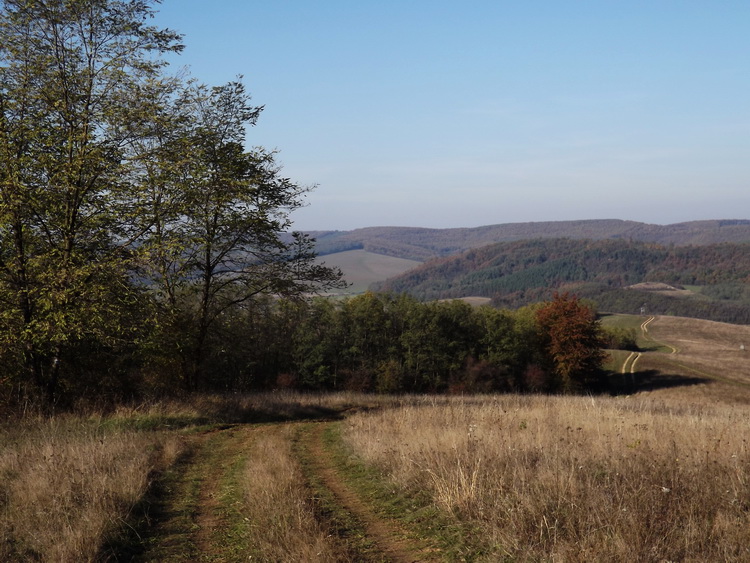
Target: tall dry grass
{"points": [[68, 484], [277, 505], [572, 478]]}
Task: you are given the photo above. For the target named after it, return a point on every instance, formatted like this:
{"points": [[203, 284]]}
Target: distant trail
{"points": [[644, 327], [630, 361], [637, 357], [647, 336], [627, 361]]}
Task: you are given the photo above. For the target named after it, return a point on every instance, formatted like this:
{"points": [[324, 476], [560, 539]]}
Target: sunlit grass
{"points": [[68, 485], [575, 478]]}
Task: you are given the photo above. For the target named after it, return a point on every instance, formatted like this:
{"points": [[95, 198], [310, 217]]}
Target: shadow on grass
{"points": [[140, 533], [649, 380]]}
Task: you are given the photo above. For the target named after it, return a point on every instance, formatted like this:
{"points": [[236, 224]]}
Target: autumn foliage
{"points": [[572, 340]]}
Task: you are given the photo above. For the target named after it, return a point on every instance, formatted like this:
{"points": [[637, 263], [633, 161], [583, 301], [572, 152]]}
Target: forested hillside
{"points": [[423, 244], [518, 273]]}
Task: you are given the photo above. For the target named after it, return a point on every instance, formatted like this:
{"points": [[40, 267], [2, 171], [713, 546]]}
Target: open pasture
{"points": [[573, 478]]}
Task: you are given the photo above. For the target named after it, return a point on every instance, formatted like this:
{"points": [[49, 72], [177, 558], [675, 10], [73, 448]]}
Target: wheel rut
{"points": [[195, 517], [389, 538]]}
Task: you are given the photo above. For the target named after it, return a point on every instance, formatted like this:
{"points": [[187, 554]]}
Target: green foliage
{"points": [[124, 189], [387, 344], [70, 107], [217, 244], [620, 338]]}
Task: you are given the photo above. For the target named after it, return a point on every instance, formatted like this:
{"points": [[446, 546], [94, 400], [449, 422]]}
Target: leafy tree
{"points": [[122, 188], [219, 242], [368, 327], [503, 345], [438, 340], [318, 341], [70, 77], [572, 339]]}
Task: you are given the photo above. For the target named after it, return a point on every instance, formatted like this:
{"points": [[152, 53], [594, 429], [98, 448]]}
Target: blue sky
{"points": [[461, 114]]}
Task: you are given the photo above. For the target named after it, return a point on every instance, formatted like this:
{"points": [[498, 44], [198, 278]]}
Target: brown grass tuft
{"points": [[278, 505], [573, 478], [67, 484]]}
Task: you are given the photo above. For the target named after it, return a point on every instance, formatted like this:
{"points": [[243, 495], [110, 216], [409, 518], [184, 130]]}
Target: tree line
{"points": [[388, 343]]}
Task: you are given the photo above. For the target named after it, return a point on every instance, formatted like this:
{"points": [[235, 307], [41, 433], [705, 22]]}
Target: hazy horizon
{"points": [[444, 115], [718, 219]]}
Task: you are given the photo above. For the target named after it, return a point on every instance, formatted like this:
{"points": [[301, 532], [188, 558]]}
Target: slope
{"points": [[518, 273]]}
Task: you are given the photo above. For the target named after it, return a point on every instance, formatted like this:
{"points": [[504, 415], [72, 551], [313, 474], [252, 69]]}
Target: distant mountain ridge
{"points": [[422, 244]]}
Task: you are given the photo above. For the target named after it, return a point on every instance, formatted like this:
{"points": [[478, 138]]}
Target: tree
{"points": [[122, 187], [70, 77], [317, 344], [219, 243], [573, 341]]}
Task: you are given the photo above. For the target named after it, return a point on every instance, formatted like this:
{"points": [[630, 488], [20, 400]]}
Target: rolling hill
{"points": [[361, 268], [422, 244], [606, 271]]}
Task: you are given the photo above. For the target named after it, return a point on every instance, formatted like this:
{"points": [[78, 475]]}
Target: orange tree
{"points": [[572, 342]]}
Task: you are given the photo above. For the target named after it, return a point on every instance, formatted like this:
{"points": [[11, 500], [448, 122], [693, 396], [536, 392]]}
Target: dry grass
{"points": [[575, 479], [687, 361], [707, 347], [540, 478], [277, 505], [67, 485]]}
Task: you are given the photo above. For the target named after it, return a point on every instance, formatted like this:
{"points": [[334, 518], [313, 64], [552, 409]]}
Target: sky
{"points": [[460, 114]]}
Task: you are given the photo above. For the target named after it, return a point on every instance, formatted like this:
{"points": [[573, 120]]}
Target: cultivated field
{"points": [[659, 472], [362, 268]]}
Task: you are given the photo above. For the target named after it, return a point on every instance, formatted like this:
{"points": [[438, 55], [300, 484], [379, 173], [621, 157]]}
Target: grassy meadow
{"points": [[69, 484], [660, 474], [573, 478]]}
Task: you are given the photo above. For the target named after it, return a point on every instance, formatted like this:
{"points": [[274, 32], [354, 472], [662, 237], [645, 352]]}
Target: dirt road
{"points": [[204, 510]]}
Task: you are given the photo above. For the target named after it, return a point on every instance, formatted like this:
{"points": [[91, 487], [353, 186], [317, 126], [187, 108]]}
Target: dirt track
{"points": [[389, 539], [189, 521]]}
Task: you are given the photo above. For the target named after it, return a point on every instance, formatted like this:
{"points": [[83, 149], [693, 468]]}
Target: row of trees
{"points": [[132, 217], [394, 343]]}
